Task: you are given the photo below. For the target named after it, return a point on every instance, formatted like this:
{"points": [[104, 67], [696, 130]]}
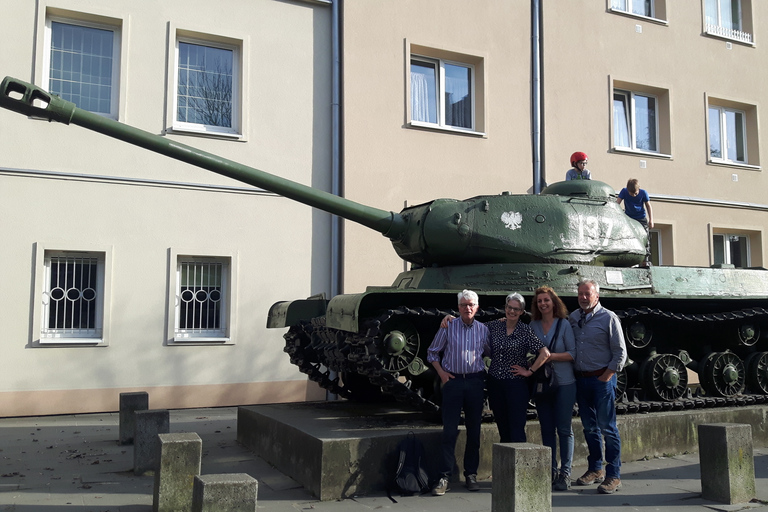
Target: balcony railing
{"points": [[736, 35]]}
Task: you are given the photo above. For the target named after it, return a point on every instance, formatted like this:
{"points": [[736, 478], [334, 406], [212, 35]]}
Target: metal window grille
{"points": [[200, 298], [72, 297]]}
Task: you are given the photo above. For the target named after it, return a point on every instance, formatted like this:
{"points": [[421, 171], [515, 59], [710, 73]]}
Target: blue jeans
{"points": [[468, 394], [508, 399], [597, 409], [555, 414]]}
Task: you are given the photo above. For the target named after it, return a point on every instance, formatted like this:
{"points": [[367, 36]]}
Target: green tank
{"points": [[373, 344]]}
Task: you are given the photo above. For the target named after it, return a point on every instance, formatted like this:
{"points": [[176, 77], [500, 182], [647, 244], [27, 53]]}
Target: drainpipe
{"points": [[336, 226], [536, 92]]}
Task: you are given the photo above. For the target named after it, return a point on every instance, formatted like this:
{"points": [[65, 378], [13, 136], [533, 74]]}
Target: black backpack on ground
{"points": [[411, 477]]}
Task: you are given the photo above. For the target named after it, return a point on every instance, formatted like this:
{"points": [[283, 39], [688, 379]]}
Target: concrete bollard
{"points": [[727, 463], [180, 461], [129, 403], [234, 492], [146, 444], [521, 476]]}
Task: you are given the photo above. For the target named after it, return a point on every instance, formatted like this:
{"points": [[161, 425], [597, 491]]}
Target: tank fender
{"points": [[287, 313]]}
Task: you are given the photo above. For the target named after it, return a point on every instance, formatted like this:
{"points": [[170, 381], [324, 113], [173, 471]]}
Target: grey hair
{"points": [[515, 296], [469, 295], [592, 282]]}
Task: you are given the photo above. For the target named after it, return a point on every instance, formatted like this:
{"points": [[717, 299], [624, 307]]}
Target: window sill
{"points": [[734, 165], [434, 127], [657, 21], [176, 130], [638, 152], [91, 342], [201, 340], [714, 32]]}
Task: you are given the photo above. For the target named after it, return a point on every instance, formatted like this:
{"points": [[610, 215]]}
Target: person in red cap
{"points": [[579, 171]]}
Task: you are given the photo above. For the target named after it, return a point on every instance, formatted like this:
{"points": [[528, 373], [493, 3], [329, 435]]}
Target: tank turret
{"points": [[373, 344]]}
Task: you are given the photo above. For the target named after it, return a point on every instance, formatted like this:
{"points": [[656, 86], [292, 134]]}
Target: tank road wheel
{"points": [[664, 377], [638, 335], [757, 372], [400, 346], [747, 334], [722, 374]]}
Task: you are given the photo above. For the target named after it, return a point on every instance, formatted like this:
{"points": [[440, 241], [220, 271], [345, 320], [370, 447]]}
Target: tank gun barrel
{"points": [[30, 100]]}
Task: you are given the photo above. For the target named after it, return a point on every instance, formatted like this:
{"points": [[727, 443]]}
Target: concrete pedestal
{"points": [[130, 403], [180, 461], [727, 462], [146, 444], [234, 492], [524, 469]]}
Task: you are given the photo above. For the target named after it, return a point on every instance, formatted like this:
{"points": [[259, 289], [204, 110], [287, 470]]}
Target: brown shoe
{"points": [[593, 476], [610, 485]]}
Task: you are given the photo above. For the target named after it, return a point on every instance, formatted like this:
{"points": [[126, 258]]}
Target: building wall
{"points": [[588, 47], [389, 163], [66, 188]]}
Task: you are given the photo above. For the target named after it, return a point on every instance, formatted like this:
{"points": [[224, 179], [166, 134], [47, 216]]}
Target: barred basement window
{"points": [[201, 299], [73, 297]]}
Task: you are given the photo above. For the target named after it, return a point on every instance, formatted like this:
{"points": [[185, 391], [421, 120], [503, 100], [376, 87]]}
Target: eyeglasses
{"points": [[465, 305], [516, 310]]}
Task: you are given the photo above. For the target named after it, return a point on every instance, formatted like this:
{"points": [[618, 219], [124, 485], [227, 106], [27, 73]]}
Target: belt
{"points": [[595, 373], [476, 375]]}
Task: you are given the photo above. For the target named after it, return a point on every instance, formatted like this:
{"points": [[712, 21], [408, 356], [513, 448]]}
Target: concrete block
{"points": [[180, 461], [146, 443], [727, 462], [130, 403], [524, 469], [234, 492]]}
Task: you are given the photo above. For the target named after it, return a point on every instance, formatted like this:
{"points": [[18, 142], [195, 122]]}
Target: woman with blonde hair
{"points": [[555, 410]]}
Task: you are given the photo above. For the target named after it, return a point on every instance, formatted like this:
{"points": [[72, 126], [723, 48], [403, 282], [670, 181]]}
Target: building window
{"points": [[442, 93], [207, 80], [727, 135], [201, 299], [729, 18], [635, 121], [83, 64], [73, 298], [639, 7], [731, 249]]}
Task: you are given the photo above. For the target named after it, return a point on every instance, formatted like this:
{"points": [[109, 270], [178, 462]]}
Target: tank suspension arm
{"points": [[33, 101]]}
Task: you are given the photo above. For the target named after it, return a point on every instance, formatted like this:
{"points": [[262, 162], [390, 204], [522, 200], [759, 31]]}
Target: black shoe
{"points": [[472, 484], [563, 482]]}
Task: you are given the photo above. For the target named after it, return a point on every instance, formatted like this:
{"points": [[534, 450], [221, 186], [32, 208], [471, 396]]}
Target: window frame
{"points": [[100, 338], [631, 120], [109, 25], [749, 125], [236, 46], [439, 57], [225, 334], [724, 138], [726, 246]]}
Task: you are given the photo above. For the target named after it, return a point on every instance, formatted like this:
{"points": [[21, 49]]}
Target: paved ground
{"points": [[74, 463]]}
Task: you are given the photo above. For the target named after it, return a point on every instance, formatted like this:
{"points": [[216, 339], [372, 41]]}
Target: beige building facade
{"points": [[125, 270], [128, 271]]}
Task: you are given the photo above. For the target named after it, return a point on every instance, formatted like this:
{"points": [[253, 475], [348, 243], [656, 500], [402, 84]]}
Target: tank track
{"points": [[320, 351]]}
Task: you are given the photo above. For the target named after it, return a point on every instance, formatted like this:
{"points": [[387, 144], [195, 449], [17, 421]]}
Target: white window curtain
{"points": [[419, 98], [620, 122]]}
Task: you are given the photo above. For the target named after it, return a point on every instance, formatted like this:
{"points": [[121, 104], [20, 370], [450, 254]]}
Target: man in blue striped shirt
{"points": [[457, 353]]}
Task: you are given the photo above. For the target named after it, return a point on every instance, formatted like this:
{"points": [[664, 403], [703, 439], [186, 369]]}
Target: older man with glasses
{"points": [[457, 353]]}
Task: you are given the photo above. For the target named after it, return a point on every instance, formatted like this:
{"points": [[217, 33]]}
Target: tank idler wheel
{"points": [[664, 377], [638, 335], [722, 374], [747, 334], [757, 372]]}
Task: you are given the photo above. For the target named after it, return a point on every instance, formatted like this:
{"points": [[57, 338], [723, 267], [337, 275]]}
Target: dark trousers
{"points": [[508, 399], [468, 394]]}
